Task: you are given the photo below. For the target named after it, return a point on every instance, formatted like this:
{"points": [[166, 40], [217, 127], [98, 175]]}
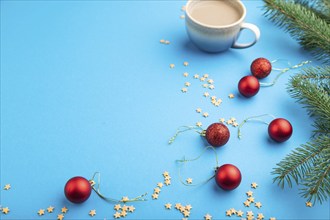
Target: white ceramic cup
{"points": [[214, 39]]}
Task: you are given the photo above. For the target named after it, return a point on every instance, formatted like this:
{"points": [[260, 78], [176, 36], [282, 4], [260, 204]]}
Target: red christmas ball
{"points": [[77, 189], [261, 68], [217, 134], [280, 130], [228, 177], [248, 86]]}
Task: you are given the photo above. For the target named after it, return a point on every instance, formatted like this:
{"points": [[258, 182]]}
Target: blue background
{"points": [[86, 86]]}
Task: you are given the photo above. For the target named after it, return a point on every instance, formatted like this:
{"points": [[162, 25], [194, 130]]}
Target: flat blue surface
{"points": [[86, 86]]}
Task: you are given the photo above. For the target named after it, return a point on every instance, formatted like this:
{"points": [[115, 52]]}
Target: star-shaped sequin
{"points": [[185, 63], [160, 185], [249, 193], [168, 205], [211, 81], [199, 124], [123, 213], [187, 84], [189, 180], [7, 187], [167, 182], [309, 204], [260, 216], [198, 110], [131, 208], [124, 199], [196, 76], [64, 210], [117, 207], [251, 199], [60, 217], [92, 212], [254, 185], [188, 207], [258, 204], [154, 196], [178, 206], [206, 94], [41, 212], [186, 213], [206, 75], [116, 215], [231, 96], [208, 217], [184, 90], [247, 203], [50, 209], [211, 87], [239, 213], [185, 74], [205, 114], [249, 213], [222, 120], [157, 190], [228, 213], [172, 65]]}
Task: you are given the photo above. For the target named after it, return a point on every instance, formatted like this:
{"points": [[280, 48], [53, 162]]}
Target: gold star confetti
{"points": [[188, 207], [184, 90], [154, 196], [207, 217], [124, 208], [239, 213], [7, 187], [64, 210], [198, 110], [178, 206], [254, 185], [258, 204], [168, 206], [185, 63], [162, 41], [222, 120], [116, 215], [229, 122], [123, 213], [185, 74], [206, 94], [231, 96], [186, 213], [41, 212], [160, 185], [60, 217], [167, 42], [205, 85], [196, 76], [202, 79], [260, 216], [228, 213], [250, 218], [167, 178], [205, 114], [131, 208], [217, 103], [247, 203], [125, 199], [249, 193], [213, 97], [235, 124], [189, 180], [210, 81], [272, 218], [206, 75], [50, 209], [249, 213], [182, 16], [5, 210], [187, 84], [172, 65], [92, 212], [157, 190], [199, 124], [211, 87], [213, 101], [251, 199], [167, 182], [233, 211], [309, 204], [117, 207]]}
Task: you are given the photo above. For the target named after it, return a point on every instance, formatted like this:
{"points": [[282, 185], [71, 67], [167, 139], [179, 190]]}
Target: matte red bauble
{"points": [[248, 86], [217, 134], [228, 177], [280, 130], [261, 68], [77, 189]]}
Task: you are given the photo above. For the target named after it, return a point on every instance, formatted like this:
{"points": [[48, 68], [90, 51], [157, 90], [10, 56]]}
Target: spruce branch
{"points": [[304, 23]]}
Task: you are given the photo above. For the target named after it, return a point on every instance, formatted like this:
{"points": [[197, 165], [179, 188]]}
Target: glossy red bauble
{"points": [[228, 177], [217, 134], [248, 86], [261, 68], [280, 130], [77, 189]]}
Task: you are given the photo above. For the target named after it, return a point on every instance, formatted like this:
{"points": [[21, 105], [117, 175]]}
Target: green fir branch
{"points": [[304, 23]]}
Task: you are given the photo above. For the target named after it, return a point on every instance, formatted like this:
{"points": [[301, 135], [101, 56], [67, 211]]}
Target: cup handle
{"points": [[256, 32]]}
